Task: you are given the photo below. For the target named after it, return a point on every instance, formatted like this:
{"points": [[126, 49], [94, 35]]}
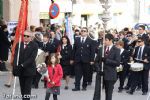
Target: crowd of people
{"points": [[81, 59]]}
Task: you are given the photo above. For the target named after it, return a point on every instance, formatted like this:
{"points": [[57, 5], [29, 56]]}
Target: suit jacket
{"points": [[83, 52], [52, 47], [111, 62], [145, 55], [66, 55], [27, 57], [125, 57], [43, 46]]}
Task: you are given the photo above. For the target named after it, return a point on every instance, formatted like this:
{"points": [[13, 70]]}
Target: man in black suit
{"points": [[83, 57], [53, 43], [143, 34], [27, 55], [111, 60], [141, 55]]}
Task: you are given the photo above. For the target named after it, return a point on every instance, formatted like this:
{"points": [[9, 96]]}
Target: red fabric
{"points": [[22, 25], [59, 49], [56, 78]]}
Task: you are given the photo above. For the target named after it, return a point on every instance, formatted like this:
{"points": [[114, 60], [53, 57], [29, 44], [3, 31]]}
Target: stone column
{"points": [[11, 10]]}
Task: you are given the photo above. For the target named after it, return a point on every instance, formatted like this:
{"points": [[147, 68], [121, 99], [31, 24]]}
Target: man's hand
{"points": [[20, 66], [145, 61], [53, 83], [46, 54], [103, 59], [101, 73], [71, 62], [91, 63]]}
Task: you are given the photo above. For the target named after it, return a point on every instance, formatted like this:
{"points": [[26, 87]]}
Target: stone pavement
{"points": [[67, 94]]}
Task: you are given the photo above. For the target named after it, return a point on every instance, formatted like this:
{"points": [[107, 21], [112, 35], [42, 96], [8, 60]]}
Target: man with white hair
{"points": [[26, 65]]}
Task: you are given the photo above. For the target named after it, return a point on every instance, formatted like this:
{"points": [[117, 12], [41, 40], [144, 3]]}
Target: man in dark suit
{"points": [[83, 57], [53, 43], [141, 55], [27, 55], [111, 60], [143, 34]]}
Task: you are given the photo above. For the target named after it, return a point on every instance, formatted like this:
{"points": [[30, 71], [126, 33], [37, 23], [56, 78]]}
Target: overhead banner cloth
{"points": [[69, 31], [22, 25]]}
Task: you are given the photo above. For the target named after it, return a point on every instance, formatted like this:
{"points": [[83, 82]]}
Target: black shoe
{"points": [[120, 90], [66, 88], [130, 92], [126, 88], [76, 89], [144, 93], [138, 89], [6, 85], [83, 89], [89, 83], [36, 87]]}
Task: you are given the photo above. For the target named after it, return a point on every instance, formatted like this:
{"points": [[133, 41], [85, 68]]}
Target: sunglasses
{"points": [[83, 31], [26, 36]]}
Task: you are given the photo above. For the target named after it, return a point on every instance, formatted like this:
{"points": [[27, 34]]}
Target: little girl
{"points": [[54, 77]]}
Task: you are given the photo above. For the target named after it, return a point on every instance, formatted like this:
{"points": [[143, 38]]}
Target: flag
{"points": [[22, 25], [69, 31]]}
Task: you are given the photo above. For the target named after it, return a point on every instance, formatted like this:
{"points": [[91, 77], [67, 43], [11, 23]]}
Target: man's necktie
{"points": [[140, 53], [25, 45], [107, 51], [51, 41], [82, 40]]}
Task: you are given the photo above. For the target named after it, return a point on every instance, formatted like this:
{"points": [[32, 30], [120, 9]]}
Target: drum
{"points": [[136, 67], [120, 68]]}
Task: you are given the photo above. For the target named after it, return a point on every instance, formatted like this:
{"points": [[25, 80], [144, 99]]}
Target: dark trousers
{"points": [[25, 85], [48, 96], [130, 79], [36, 79], [72, 72], [81, 69], [135, 80], [90, 73], [145, 75], [109, 86], [140, 77], [122, 77]]}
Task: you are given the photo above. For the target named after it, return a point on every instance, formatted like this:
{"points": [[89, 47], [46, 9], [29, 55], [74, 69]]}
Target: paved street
{"points": [[68, 94]]}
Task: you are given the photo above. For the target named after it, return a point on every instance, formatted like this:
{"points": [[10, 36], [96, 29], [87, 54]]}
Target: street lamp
{"points": [[99, 79], [106, 14]]}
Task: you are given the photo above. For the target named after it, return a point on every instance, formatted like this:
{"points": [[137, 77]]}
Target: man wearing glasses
{"points": [[83, 57], [141, 55], [27, 55]]}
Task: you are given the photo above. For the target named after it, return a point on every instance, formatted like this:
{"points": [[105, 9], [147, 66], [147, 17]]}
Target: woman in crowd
{"points": [[65, 53]]}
